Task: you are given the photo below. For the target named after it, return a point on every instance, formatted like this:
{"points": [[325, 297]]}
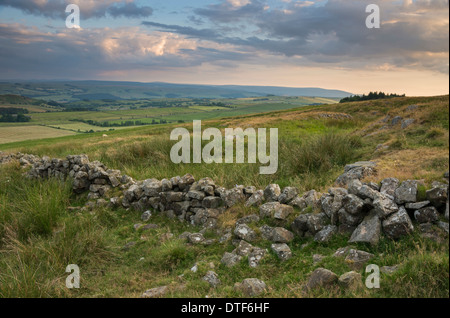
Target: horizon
{"points": [[280, 43]]}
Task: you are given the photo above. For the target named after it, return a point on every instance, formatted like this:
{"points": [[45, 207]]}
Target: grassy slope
{"points": [[39, 237]]}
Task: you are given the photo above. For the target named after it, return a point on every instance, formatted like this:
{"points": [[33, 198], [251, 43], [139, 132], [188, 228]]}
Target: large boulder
{"points": [[244, 232]]}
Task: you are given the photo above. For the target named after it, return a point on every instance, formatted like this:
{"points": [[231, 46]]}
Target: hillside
{"points": [[67, 91], [124, 252]]}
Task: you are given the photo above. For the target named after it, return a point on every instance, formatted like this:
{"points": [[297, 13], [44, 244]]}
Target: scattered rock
{"points": [[282, 251], [321, 277], [356, 259], [350, 280], [272, 192], [230, 259], [243, 232], [212, 278], [157, 292], [251, 287]]}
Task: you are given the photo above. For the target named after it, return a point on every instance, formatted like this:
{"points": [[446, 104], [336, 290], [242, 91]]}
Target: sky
{"points": [[289, 43]]}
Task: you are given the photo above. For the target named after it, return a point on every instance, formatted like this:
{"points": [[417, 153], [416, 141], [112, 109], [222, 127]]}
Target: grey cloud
{"points": [[56, 8], [225, 12], [130, 10]]}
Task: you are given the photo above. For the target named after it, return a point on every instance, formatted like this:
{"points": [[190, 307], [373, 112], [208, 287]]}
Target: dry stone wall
{"points": [[365, 211]]}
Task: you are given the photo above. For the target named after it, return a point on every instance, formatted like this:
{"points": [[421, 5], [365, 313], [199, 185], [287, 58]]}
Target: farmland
{"points": [[80, 117]]}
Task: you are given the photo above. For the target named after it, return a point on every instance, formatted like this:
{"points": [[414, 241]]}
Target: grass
{"points": [[20, 133], [39, 237]]}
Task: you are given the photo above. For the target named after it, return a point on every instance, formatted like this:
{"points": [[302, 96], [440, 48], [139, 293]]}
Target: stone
{"points": [[348, 219], [212, 202], [353, 204], [272, 192], [321, 277], [281, 235], [198, 195], [266, 232], [417, 205], [300, 224], [196, 238], [298, 202], [243, 249], [212, 278], [356, 258], [406, 192], [326, 234], [367, 192], [128, 246], [358, 170], [350, 280], [146, 216], [438, 196], [230, 259], [369, 231], [398, 224], [396, 120], [407, 122], [267, 209], [427, 215], [233, 196], [256, 199], [252, 218], [354, 186], [251, 287], [251, 190], [157, 292], [312, 199], [151, 187], [282, 251], [282, 212], [255, 256], [443, 225], [243, 232], [317, 258], [316, 222], [342, 251], [385, 206], [389, 185], [287, 195]]}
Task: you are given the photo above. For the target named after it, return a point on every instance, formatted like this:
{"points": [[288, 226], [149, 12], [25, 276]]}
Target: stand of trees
{"points": [[13, 115], [370, 96]]}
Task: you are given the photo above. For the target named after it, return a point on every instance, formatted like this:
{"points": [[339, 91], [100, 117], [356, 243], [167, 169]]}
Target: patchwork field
{"points": [[31, 132]]}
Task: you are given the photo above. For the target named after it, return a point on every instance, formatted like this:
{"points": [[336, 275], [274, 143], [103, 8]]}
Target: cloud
{"points": [[88, 8]]}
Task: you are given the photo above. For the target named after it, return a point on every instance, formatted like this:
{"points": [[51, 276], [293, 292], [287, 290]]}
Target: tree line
{"points": [[370, 96]]}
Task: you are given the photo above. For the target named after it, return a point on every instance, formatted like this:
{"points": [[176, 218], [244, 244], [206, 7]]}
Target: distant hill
{"points": [[67, 91]]}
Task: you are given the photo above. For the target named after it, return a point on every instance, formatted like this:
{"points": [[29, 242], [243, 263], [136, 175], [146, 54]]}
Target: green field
{"points": [[30, 132], [116, 113]]}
